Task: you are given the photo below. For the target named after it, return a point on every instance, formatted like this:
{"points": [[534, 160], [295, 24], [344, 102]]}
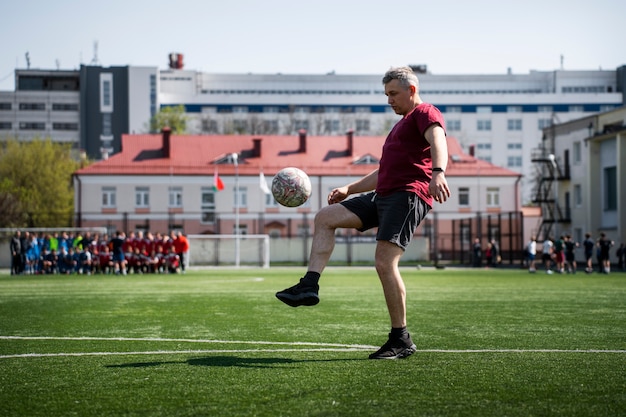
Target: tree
{"points": [[171, 116], [36, 187]]}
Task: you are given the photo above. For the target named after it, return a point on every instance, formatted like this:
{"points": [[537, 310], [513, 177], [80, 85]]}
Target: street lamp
{"points": [[237, 197]]}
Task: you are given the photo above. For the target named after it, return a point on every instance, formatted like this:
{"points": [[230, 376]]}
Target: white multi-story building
{"points": [[497, 117]]}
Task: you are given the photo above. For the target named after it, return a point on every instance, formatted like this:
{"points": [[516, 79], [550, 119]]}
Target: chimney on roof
{"points": [[350, 139], [256, 147], [166, 133], [302, 134], [472, 150]]}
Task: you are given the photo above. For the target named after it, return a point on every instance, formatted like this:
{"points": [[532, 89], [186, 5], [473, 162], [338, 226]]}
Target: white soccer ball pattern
{"points": [[291, 187]]}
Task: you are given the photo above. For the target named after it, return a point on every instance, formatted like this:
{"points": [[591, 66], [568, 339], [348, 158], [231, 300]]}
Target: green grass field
{"points": [[217, 343]]}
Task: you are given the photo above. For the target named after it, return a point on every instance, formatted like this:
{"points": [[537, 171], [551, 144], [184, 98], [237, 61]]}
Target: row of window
{"points": [[484, 125], [40, 106], [478, 109], [575, 89], [39, 126], [240, 199]]}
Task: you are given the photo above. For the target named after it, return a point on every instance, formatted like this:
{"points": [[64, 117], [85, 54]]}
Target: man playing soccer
{"points": [[409, 177]]}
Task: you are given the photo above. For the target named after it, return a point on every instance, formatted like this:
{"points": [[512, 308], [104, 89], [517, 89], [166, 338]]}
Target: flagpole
{"points": [[237, 202]]}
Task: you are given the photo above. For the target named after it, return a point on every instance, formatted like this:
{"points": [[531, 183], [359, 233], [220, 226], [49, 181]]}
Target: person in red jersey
{"points": [[395, 198], [181, 246]]}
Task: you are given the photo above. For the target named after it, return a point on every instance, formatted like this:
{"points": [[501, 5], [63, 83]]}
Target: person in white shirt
{"points": [[548, 248], [531, 250]]}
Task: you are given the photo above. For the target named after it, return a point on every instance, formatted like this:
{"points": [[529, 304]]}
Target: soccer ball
{"points": [[291, 187]]}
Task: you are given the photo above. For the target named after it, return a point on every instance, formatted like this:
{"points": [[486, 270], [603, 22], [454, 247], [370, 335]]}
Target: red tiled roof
{"points": [[461, 164], [325, 155]]}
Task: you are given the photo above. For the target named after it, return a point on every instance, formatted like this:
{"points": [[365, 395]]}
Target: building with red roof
{"points": [[164, 182]]}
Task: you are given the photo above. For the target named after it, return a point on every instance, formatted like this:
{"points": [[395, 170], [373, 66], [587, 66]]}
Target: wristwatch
{"points": [[438, 170]]}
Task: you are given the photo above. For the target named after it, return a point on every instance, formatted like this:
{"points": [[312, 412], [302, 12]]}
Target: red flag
{"points": [[218, 185]]}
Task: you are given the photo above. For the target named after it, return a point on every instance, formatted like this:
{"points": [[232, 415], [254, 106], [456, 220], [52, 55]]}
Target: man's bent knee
{"points": [[337, 216]]}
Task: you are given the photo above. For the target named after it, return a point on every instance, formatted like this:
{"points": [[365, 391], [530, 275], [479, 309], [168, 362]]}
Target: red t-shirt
{"points": [[406, 164]]}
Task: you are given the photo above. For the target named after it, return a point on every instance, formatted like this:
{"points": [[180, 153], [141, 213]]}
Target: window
{"points": [[271, 126], [301, 110], [64, 126], [243, 229], [108, 197], [33, 106], [483, 109], [209, 126], [577, 152], [493, 197], [5, 126], [610, 189], [302, 124], [514, 161], [544, 109], [331, 109], [270, 202], [453, 125], [106, 92], [207, 207], [464, 197], [241, 197], [240, 109], [465, 234], [514, 146], [576, 108], [362, 125], [106, 124], [240, 125], [543, 123], [331, 125], [142, 197], [484, 125], [64, 107], [514, 109], [483, 146], [270, 109], [514, 124], [175, 196], [578, 195], [32, 126], [5, 106], [453, 109]]}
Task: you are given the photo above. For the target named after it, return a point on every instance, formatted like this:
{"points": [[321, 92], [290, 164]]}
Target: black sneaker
{"points": [[398, 348], [301, 294]]}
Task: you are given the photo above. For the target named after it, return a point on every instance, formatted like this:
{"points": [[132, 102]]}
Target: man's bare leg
{"points": [[327, 220], [399, 344], [387, 259]]}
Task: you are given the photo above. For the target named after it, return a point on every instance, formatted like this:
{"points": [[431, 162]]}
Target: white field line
{"points": [[320, 347], [212, 341]]}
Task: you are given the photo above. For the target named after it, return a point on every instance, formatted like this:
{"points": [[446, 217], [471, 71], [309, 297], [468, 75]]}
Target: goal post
{"points": [[229, 250]]}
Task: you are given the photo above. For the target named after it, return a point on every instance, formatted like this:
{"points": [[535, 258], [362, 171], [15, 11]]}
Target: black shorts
{"points": [[396, 216]]}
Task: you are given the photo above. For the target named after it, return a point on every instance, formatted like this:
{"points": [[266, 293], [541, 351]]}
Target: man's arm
{"points": [[364, 184], [438, 187]]}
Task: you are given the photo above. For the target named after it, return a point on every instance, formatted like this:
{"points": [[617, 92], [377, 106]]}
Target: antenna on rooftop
{"points": [[27, 60], [94, 60]]}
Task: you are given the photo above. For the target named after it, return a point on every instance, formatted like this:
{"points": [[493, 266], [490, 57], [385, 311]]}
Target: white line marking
{"points": [[158, 339], [321, 347], [175, 352]]}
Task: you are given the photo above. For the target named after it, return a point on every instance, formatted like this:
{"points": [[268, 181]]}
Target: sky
{"points": [[315, 36]]}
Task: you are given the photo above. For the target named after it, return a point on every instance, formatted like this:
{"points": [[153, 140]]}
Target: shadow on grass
{"points": [[230, 361]]}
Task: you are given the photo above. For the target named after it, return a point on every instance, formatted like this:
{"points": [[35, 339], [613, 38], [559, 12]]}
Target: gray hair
{"points": [[405, 75]]}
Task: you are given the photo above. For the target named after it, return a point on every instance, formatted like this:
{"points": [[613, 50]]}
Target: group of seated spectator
{"points": [[68, 253]]}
